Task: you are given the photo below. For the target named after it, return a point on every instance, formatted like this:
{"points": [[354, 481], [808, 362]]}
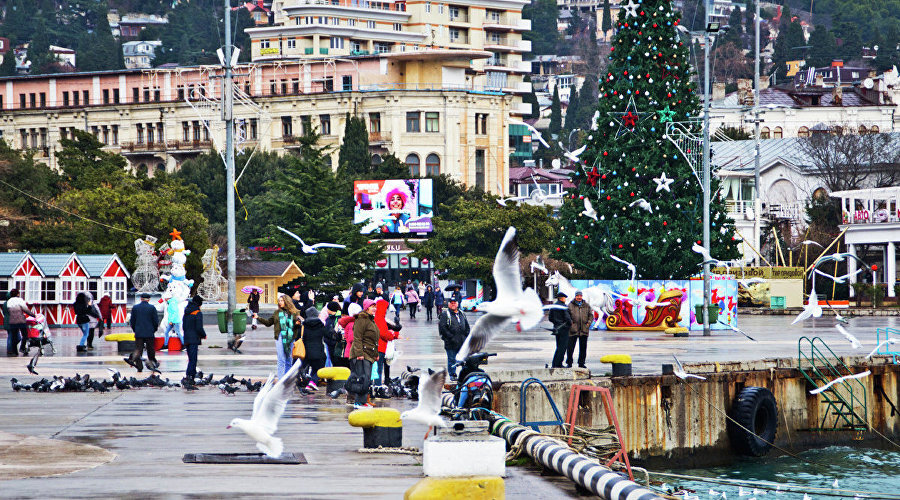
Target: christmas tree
{"points": [[648, 200]]}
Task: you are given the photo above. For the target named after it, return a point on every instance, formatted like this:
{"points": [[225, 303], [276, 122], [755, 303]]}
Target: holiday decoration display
{"points": [[213, 286], [145, 277], [178, 288], [643, 189]]}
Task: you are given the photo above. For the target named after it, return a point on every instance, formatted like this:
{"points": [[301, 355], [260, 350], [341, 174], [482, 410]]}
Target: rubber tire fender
{"points": [[756, 409]]}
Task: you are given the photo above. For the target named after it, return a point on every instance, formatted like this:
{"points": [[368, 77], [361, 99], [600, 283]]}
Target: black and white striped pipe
{"points": [[582, 470]]}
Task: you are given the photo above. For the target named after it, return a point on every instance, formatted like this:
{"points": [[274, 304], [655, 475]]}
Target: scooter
{"points": [[474, 389]]}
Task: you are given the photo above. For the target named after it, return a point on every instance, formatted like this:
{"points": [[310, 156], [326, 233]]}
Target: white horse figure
{"points": [[598, 297]]}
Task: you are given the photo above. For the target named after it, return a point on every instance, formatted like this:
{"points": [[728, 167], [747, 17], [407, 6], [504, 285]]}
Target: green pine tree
{"points": [[555, 113], [573, 110], [8, 67], [353, 158], [822, 49], [316, 203], [623, 159], [544, 34], [606, 24]]}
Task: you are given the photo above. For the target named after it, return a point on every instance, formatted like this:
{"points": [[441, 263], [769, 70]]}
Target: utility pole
{"points": [[228, 118], [706, 284], [757, 204]]}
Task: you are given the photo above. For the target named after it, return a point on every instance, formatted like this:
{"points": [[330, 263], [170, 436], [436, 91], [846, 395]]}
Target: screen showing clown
{"points": [[393, 206]]}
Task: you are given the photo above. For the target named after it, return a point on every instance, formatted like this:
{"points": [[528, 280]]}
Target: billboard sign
{"points": [[393, 207]]}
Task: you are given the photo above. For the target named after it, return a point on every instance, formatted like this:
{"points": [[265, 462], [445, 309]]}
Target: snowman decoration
{"points": [[178, 289]]}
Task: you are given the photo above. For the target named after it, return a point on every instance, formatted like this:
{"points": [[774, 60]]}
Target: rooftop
{"points": [[265, 267]]}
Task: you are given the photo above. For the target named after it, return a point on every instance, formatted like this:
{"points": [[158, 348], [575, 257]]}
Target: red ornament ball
{"points": [[580, 197], [585, 236], [605, 153], [607, 198], [665, 223], [603, 176], [632, 194], [620, 246], [874, 267], [654, 25], [699, 242]]}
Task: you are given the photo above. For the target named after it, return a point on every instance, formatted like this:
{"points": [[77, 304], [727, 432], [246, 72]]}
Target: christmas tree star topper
{"points": [[631, 8]]}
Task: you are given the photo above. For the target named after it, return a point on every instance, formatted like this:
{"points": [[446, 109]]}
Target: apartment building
{"points": [[309, 29], [157, 118]]}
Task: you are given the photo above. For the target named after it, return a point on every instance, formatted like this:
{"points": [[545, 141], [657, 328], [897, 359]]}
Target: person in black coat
{"points": [[456, 294], [333, 333], [428, 302], [83, 313], [562, 322], [453, 328], [144, 323], [192, 329], [314, 333], [357, 295]]}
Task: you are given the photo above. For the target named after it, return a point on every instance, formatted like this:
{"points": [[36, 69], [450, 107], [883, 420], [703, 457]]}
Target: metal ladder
{"points": [[844, 402]]}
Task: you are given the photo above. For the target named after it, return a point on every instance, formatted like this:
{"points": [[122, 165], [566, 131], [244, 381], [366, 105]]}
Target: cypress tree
{"points": [[353, 158], [607, 18], [555, 112]]}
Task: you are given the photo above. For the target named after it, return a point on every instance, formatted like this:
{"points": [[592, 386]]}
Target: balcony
{"points": [[504, 64], [504, 25], [522, 108], [461, 38], [459, 17], [358, 4], [382, 137], [740, 209], [506, 45]]}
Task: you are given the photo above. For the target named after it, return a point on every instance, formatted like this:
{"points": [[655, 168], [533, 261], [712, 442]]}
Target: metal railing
{"points": [[360, 4], [820, 365]]}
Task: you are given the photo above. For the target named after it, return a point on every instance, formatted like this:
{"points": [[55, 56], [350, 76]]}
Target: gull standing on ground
{"points": [[629, 265], [880, 344], [811, 309], [853, 340], [267, 409], [429, 408], [511, 304], [310, 248], [840, 380], [589, 209], [680, 373], [642, 203]]}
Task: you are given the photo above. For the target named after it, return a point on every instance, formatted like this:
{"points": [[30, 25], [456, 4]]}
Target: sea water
{"points": [[867, 472]]}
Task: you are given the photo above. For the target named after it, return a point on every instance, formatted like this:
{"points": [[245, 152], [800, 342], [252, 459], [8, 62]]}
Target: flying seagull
{"points": [[589, 209], [629, 265], [572, 155], [429, 408], [267, 409], [680, 373], [534, 132], [511, 303], [642, 203], [811, 309], [310, 248], [811, 242], [737, 330], [840, 380], [707, 258], [853, 340], [538, 264], [880, 344], [842, 278]]}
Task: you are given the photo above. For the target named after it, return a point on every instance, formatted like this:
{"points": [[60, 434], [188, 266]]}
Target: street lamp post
{"points": [[710, 28], [228, 118], [756, 186]]}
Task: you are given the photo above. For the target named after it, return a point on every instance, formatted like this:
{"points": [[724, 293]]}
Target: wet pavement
{"points": [[150, 429]]}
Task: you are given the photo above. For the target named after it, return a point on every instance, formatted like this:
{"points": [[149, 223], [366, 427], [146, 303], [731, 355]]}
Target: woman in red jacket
{"points": [[105, 307], [387, 333]]}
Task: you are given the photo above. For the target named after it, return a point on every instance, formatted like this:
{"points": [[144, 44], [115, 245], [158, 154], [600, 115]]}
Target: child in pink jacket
{"points": [[346, 322]]}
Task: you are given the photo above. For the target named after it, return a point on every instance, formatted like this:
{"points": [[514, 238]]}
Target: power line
{"points": [[67, 212]]}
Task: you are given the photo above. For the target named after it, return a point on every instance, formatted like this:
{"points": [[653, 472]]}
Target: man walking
{"points": [[562, 321], [453, 328], [582, 316], [144, 322]]}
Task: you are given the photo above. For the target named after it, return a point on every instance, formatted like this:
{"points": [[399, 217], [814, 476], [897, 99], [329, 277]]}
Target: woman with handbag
{"points": [[363, 353], [314, 333], [288, 328], [386, 333]]}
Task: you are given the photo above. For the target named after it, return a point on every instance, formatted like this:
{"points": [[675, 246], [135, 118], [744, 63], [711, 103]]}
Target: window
{"points": [[412, 161], [298, 21], [140, 133], [337, 42], [803, 132], [325, 124], [295, 85], [347, 83], [284, 87], [115, 135], [412, 124], [479, 168], [180, 93], [32, 99], [454, 35], [874, 129], [764, 133], [382, 47], [287, 128], [151, 138], [23, 138], [120, 291], [156, 95], [481, 123], [493, 16], [67, 292], [432, 165], [374, 122], [185, 131], [105, 131], [292, 43], [65, 98], [398, 27], [105, 96], [264, 44], [63, 133], [86, 97], [43, 133], [115, 96], [335, 21], [254, 128], [777, 133], [351, 22], [440, 8], [48, 290], [22, 101], [427, 7], [306, 125], [74, 98], [328, 84], [195, 129], [432, 121], [370, 25], [135, 95], [273, 87], [146, 95]]}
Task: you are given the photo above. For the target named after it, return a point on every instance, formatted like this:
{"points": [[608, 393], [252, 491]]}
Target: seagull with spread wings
{"points": [[811, 309], [840, 380], [880, 345], [679, 372], [310, 248], [589, 209], [512, 303], [267, 409], [849, 336], [629, 265], [534, 132], [429, 408]]}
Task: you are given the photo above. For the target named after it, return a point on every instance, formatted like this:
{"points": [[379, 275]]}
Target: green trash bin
{"points": [[713, 313], [240, 321]]}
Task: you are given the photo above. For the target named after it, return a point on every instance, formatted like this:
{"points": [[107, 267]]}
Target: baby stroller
{"points": [[39, 334]]}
